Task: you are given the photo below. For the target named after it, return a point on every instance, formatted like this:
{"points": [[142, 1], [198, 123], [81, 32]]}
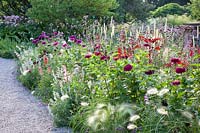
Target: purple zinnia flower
{"points": [[176, 82], [180, 70], [149, 72], [128, 67]]}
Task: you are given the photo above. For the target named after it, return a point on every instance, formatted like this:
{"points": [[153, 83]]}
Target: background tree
{"points": [[14, 7], [195, 9], [159, 3]]}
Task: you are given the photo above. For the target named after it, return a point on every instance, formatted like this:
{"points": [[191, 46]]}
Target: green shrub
{"points": [[7, 48], [171, 8]]}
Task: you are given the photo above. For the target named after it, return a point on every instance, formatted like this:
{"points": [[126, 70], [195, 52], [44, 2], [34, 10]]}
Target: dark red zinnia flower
{"points": [[128, 67], [149, 72], [175, 60], [176, 82], [146, 45], [180, 70], [43, 42], [88, 55], [97, 53], [104, 57]]}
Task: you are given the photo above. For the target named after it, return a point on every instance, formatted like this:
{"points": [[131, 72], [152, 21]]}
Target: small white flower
{"points": [[100, 105], [152, 91], [134, 118], [187, 114], [163, 92], [199, 123], [84, 104], [162, 111], [64, 97], [131, 126]]}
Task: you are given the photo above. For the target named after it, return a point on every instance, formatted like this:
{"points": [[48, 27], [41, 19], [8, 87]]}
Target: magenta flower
{"points": [[146, 45], [88, 55], [149, 72], [104, 57], [176, 82], [180, 70], [175, 60], [64, 45], [97, 53], [128, 67]]}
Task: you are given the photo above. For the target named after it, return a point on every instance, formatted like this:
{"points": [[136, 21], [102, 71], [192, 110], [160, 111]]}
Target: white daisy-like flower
{"points": [[131, 126], [152, 91], [64, 97], [84, 104], [162, 111], [134, 118], [163, 92]]}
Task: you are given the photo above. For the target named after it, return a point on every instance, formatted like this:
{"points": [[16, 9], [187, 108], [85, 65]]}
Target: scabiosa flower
{"points": [[72, 38], [176, 82], [128, 67], [64, 45], [88, 55], [149, 72], [180, 70], [175, 60]]}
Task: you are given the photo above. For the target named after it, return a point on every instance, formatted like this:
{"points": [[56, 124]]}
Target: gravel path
{"points": [[20, 112]]}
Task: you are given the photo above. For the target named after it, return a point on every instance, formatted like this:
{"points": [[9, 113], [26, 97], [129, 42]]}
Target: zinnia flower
{"points": [[104, 57], [180, 70], [97, 53], [176, 82], [175, 60], [78, 41], [35, 41], [72, 38], [88, 55], [43, 42], [128, 67], [149, 72], [55, 43]]}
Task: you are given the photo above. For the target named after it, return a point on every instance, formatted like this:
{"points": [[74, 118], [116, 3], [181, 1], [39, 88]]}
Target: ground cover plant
{"points": [[118, 78]]}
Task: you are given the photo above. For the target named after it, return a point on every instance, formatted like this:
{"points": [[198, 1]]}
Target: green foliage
{"points": [[7, 48], [178, 19], [159, 3], [169, 9], [31, 79], [195, 9]]}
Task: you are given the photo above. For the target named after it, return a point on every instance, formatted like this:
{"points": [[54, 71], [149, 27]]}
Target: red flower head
{"points": [[128, 67], [97, 53], [175, 60], [104, 57], [176, 82], [180, 70], [149, 72]]}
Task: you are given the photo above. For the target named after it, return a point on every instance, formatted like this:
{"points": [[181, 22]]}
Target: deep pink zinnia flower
{"points": [[149, 72], [88, 55], [65, 45], [128, 67], [175, 60], [180, 70], [176, 82], [97, 53], [35, 41], [146, 45]]}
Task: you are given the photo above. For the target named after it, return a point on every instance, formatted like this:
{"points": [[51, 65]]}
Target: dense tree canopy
{"points": [[195, 9], [159, 3]]}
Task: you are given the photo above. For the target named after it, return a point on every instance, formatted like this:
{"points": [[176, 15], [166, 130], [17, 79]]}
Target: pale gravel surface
{"points": [[20, 112]]}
